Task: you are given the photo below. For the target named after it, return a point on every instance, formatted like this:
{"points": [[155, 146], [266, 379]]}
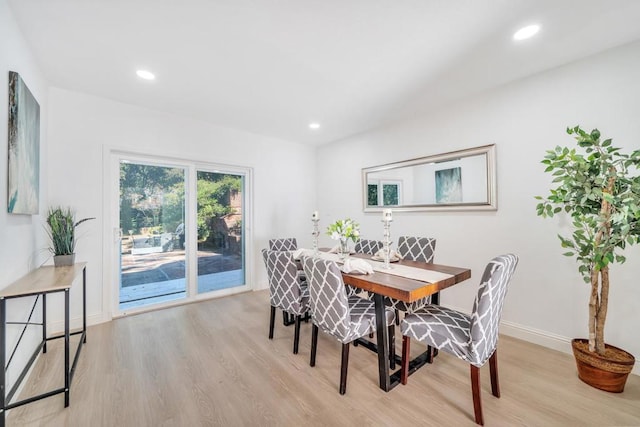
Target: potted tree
{"points": [[599, 188], [62, 231]]}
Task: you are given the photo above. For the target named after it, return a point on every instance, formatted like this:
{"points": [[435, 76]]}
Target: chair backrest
{"points": [[284, 287], [328, 301], [487, 307], [417, 248], [370, 247], [288, 244]]}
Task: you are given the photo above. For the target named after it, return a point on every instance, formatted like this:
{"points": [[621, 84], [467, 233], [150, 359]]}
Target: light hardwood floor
{"points": [[210, 363]]}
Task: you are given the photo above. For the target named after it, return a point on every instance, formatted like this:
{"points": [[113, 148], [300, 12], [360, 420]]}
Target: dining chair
{"points": [[286, 291], [286, 244], [367, 246], [346, 318], [417, 248], [472, 338], [414, 249]]}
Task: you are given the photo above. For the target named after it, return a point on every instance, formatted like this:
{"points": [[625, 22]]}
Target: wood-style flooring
{"points": [[211, 363]]}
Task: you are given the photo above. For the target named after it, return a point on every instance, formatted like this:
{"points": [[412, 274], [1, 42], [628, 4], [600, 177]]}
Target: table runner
{"points": [[414, 273]]}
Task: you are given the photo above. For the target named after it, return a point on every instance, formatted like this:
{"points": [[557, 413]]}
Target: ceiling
{"points": [[271, 67]]}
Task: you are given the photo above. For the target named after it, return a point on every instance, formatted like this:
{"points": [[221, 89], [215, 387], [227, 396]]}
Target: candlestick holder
{"points": [[386, 241], [315, 233]]}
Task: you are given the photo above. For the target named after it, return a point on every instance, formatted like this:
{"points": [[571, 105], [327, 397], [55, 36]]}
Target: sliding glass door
{"points": [[182, 231], [152, 212], [221, 261]]}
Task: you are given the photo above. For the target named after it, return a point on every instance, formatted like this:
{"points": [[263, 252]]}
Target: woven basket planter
{"points": [[605, 373]]}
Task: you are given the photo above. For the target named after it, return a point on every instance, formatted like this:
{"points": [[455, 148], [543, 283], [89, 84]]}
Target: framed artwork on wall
{"points": [[24, 148], [449, 185]]}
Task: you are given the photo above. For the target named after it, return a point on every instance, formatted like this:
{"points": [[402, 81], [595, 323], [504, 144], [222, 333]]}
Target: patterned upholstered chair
{"points": [[287, 244], [369, 247], [417, 248], [344, 318], [286, 291], [473, 338], [414, 249]]}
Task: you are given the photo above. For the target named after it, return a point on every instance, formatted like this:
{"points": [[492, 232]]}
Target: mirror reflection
{"points": [[459, 180]]}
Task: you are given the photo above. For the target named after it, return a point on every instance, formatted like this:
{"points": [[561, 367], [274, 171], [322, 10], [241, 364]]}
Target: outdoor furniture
{"points": [[472, 338]]}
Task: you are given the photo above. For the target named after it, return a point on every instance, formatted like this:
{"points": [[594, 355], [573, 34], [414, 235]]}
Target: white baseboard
{"points": [[545, 339], [75, 323]]}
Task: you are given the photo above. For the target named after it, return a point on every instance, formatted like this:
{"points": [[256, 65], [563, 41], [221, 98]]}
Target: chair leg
{"points": [[475, 389], [493, 368], [397, 317], [392, 347], [285, 318], [404, 374], [343, 368], [314, 345], [296, 334], [272, 321]]}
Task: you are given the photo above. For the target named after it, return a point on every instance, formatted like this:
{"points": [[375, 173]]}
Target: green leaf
{"points": [[568, 254]]}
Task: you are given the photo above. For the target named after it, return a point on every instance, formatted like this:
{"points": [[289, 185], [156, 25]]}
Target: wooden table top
{"points": [[43, 280], [401, 288]]}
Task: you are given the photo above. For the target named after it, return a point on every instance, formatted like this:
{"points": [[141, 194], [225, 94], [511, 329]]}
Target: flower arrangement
{"points": [[344, 229]]}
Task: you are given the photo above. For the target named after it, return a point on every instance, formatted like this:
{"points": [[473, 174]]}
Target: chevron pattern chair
{"points": [[472, 338], [286, 291], [369, 247], [344, 318], [286, 244]]}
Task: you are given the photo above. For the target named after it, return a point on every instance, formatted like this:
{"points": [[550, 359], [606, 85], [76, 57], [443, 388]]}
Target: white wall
{"points": [[547, 302], [23, 240], [82, 125]]}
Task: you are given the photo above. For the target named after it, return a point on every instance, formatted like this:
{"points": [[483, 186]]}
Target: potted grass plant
{"points": [[62, 231], [598, 186]]}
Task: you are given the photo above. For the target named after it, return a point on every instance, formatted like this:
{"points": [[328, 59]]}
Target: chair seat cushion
{"points": [[442, 328], [363, 318]]}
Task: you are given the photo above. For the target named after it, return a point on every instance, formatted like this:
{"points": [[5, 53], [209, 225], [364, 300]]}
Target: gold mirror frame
{"points": [[463, 180]]}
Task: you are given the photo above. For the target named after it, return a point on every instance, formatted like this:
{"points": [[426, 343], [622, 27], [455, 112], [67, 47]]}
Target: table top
{"points": [[404, 289], [43, 280]]}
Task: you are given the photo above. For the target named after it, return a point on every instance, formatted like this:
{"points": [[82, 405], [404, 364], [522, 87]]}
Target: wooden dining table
{"points": [[392, 284]]}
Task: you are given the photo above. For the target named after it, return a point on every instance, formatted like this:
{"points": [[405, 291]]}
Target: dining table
{"points": [[403, 280]]}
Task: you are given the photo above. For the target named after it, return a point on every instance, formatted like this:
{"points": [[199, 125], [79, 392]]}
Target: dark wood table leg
{"points": [[383, 339]]}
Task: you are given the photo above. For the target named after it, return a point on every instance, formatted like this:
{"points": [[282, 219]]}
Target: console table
{"points": [[40, 283]]}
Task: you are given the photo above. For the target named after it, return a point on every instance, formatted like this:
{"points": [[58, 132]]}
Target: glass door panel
{"points": [[152, 254], [221, 260]]}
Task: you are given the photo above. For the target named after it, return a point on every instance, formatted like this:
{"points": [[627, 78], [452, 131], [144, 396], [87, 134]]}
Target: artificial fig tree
{"points": [[598, 186]]}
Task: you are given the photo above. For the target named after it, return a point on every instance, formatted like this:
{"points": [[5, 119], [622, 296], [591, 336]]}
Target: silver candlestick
{"points": [[315, 232], [386, 240]]}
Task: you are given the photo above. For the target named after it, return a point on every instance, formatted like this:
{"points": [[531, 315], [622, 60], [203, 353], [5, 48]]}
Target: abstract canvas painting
{"points": [[449, 185], [24, 148]]}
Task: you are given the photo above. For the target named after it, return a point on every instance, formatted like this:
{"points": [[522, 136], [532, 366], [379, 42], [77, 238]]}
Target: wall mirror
{"points": [[459, 180]]}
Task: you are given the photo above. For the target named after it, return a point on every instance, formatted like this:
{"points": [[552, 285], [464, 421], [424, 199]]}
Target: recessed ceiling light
{"points": [[526, 32], [144, 74], [314, 125]]}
